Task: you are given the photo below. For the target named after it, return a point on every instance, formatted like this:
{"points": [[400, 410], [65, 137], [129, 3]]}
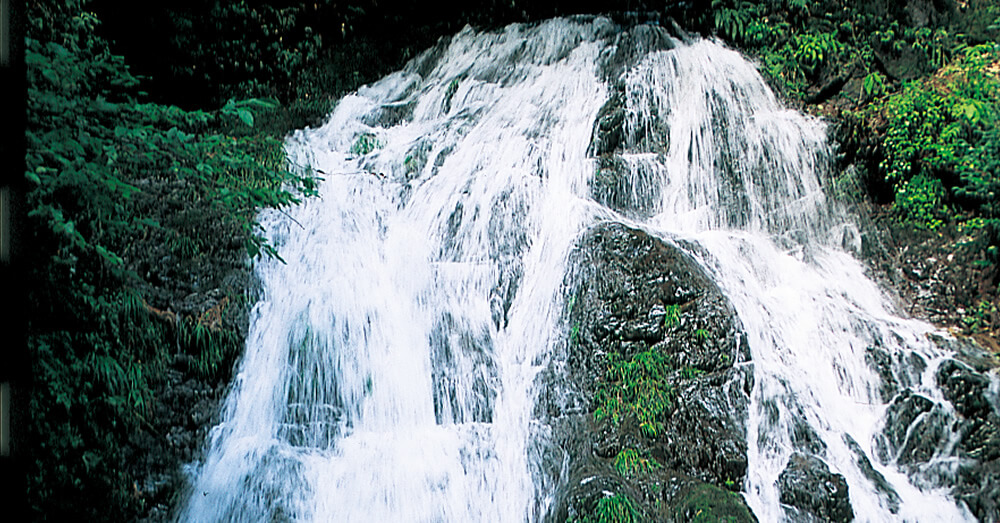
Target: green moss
{"points": [[706, 503], [365, 144]]}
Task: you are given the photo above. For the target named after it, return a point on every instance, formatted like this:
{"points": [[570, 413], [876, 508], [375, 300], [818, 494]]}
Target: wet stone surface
{"points": [[813, 492], [622, 286], [923, 436]]}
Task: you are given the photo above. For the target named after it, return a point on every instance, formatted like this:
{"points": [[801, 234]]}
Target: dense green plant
{"points": [[630, 463], [105, 172], [635, 387], [672, 315], [617, 508], [247, 47], [981, 318], [940, 141], [365, 144]]}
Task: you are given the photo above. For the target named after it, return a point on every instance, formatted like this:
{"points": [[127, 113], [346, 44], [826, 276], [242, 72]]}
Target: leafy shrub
{"points": [[940, 139], [811, 51]]}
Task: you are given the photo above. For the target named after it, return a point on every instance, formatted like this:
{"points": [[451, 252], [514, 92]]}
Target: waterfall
{"points": [[390, 368]]}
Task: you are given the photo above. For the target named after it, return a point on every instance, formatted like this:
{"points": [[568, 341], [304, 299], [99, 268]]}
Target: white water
{"points": [[390, 365]]}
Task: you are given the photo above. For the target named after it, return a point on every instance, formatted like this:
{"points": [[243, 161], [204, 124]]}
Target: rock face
{"points": [[978, 482], [636, 298], [186, 409], [920, 430], [188, 285], [815, 493]]}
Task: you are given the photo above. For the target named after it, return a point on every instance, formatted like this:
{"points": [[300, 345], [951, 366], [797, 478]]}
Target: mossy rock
{"points": [[704, 502]]}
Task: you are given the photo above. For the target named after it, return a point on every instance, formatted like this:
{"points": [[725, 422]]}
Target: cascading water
{"points": [[390, 369]]}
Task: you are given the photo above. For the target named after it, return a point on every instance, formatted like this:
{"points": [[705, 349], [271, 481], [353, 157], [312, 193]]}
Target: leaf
{"points": [[246, 116], [51, 76]]}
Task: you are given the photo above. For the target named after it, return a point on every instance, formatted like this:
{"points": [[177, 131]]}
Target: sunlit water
{"points": [[390, 368]]}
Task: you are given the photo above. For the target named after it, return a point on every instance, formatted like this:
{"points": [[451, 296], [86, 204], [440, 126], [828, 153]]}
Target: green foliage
{"points": [[365, 144], [690, 373], [631, 463], [672, 316], [921, 201], [732, 20], [449, 94], [635, 388], [106, 173], [245, 47], [981, 318], [617, 508], [941, 140], [574, 333], [811, 51], [875, 84], [96, 391]]}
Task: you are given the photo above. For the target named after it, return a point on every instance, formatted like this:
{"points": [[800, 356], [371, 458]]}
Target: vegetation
{"points": [[635, 388], [941, 141], [110, 174], [617, 508], [631, 463]]}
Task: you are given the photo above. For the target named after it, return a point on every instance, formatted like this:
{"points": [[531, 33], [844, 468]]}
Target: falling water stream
{"points": [[391, 363]]}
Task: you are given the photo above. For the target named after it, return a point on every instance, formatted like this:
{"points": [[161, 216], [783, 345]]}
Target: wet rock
{"points": [[964, 388], [633, 190], [889, 496], [695, 501], [979, 488], [978, 481], [903, 411], [609, 134], [805, 438], [184, 411], [968, 350], [918, 432], [631, 46], [592, 482], [808, 486], [879, 360], [630, 292], [978, 425], [705, 435], [915, 430]]}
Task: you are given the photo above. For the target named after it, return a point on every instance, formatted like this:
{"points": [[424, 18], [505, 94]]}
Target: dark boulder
{"points": [[918, 430], [887, 494], [815, 493], [632, 294], [897, 440], [964, 388], [705, 436]]}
